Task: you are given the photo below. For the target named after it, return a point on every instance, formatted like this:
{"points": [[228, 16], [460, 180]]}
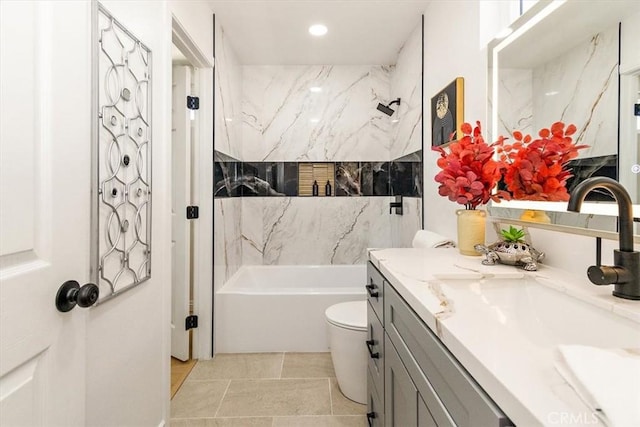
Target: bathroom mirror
{"points": [[561, 63]]}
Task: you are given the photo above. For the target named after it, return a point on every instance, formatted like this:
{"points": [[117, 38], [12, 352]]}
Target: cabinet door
{"points": [[424, 416], [401, 395]]}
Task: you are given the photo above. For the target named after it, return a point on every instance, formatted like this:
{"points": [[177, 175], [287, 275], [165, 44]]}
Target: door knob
{"points": [[70, 294]]}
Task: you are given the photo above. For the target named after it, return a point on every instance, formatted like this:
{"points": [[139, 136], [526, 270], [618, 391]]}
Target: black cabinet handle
{"points": [[371, 289], [370, 344], [370, 417]]}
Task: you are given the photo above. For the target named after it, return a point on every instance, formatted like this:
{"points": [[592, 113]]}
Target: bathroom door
{"points": [[181, 159], [44, 209]]}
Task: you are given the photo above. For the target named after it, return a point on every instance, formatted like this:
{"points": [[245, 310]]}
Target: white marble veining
{"points": [[581, 87], [283, 120], [505, 331], [313, 230], [406, 83], [227, 243], [516, 91], [228, 97]]}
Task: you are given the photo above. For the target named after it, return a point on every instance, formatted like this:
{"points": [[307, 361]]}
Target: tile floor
{"points": [[264, 389]]}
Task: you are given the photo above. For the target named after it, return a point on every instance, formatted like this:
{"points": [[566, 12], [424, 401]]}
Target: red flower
{"points": [[469, 173], [535, 169]]}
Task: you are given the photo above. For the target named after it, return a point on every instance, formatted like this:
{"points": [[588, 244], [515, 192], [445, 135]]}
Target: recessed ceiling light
{"points": [[553, 92], [318, 30], [314, 120], [315, 89]]}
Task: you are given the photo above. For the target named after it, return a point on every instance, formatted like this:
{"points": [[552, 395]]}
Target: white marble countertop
{"points": [[504, 325]]}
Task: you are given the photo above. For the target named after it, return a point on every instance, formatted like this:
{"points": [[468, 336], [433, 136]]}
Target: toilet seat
{"points": [[348, 315]]}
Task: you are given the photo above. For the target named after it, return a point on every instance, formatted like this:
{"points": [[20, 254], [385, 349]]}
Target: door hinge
{"points": [[193, 103], [636, 109], [193, 212], [190, 322]]}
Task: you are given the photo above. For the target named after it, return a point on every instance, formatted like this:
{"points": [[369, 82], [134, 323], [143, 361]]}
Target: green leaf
{"points": [[513, 234]]}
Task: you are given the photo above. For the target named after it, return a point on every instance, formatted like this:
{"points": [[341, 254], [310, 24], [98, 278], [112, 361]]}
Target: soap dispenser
{"points": [[314, 188], [327, 189]]}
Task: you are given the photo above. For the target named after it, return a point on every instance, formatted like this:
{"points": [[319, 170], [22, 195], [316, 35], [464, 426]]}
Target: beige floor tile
{"points": [[307, 365], [197, 399], [223, 422], [276, 397], [343, 406], [241, 365], [321, 421]]}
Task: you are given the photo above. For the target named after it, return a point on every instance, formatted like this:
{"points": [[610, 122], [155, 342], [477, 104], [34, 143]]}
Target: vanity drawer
{"points": [[375, 344], [375, 290], [465, 402]]}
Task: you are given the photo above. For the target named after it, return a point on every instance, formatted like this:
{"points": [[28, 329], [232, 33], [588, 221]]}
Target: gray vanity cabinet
{"points": [[375, 347], [422, 383]]}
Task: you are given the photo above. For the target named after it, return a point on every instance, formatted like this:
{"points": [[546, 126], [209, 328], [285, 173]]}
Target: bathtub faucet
{"points": [[625, 274]]}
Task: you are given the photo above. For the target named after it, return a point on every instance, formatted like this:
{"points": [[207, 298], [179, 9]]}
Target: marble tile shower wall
{"points": [[406, 83], [268, 121], [290, 230], [227, 227], [284, 119]]}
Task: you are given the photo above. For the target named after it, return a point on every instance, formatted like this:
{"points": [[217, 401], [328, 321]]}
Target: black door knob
{"points": [[70, 294]]}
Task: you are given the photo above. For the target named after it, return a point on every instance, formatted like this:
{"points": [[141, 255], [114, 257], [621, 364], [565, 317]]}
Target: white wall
{"points": [[456, 55]]}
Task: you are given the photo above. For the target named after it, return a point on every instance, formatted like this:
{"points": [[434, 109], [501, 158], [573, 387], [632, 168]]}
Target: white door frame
{"points": [[202, 190]]}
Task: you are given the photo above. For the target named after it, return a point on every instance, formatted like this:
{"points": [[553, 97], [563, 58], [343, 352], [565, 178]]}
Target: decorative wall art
{"points": [[447, 113], [121, 170]]}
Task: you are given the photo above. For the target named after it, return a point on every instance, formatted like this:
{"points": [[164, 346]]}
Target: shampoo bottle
{"points": [[327, 189], [314, 188]]}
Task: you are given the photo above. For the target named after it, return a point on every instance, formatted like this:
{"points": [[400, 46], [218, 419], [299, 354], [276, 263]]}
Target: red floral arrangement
{"points": [[535, 169], [469, 172]]}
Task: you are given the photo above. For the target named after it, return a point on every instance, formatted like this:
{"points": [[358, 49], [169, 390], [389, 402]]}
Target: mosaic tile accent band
{"points": [[403, 176]]}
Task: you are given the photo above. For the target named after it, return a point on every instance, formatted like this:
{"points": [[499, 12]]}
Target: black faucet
{"points": [[625, 274]]}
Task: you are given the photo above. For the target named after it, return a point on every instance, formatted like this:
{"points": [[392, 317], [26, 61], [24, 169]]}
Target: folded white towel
{"points": [[608, 381], [429, 239]]}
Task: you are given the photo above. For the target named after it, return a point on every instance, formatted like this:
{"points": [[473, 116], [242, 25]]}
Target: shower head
{"points": [[387, 108]]}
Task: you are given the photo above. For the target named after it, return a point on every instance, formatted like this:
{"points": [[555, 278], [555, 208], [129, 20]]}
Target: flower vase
{"points": [[534, 215], [471, 228]]}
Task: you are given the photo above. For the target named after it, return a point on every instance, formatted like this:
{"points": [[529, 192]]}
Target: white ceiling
{"points": [[269, 32]]}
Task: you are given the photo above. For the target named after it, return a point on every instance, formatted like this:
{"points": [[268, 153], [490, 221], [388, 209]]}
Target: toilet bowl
{"points": [[347, 324]]}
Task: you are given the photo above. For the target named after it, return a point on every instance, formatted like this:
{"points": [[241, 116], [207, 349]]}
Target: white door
{"points": [[181, 198], [44, 209]]}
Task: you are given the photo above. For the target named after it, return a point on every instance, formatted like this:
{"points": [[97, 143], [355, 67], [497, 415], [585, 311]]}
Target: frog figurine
{"points": [[512, 250]]}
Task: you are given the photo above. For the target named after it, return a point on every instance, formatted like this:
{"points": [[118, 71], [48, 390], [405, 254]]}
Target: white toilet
{"points": [[347, 335]]}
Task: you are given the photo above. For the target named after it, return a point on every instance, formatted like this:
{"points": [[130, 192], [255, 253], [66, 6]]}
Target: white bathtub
{"points": [[281, 308]]}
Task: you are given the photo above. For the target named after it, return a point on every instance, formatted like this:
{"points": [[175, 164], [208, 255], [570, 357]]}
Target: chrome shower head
{"points": [[387, 108]]}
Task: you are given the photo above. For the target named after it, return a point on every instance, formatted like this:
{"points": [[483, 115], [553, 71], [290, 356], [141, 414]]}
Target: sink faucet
{"points": [[625, 274]]}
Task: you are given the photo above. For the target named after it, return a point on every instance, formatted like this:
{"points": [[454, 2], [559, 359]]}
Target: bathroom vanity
{"points": [[455, 343]]}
